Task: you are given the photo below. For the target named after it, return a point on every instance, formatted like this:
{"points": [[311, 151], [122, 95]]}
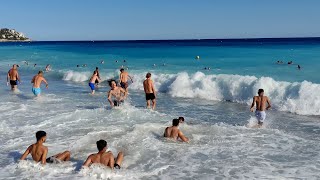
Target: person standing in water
{"points": [[103, 157], [14, 77], [260, 101], [93, 80], [118, 93], [124, 79], [36, 80], [39, 152], [149, 91], [97, 81]]}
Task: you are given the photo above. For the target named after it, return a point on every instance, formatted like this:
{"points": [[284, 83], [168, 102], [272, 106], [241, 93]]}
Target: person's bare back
{"points": [[148, 86], [105, 158], [261, 102], [37, 79], [174, 133], [38, 152]]}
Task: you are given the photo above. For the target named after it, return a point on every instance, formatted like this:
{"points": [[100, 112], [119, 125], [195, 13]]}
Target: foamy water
{"points": [[223, 144]]}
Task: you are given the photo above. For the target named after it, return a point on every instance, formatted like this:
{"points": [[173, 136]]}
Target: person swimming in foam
{"points": [[260, 101], [103, 157], [174, 133], [118, 93], [39, 152], [36, 80]]}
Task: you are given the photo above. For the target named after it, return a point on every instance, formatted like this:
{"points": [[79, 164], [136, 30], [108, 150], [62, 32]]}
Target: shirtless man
{"points": [[39, 152], [14, 77], [36, 80], [97, 81], [117, 92], [103, 157], [150, 91], [260, 102], [174, 133], [124, 79], [93, 80]]}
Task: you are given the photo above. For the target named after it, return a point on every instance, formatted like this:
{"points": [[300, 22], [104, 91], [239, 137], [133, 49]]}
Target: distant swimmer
{"points": [[116, 61], [197, 57], [149, 91], [116, 92], [103, 157], [39, 152], [14, 77], [174, 133], [78, 65], [260, 102], [124, 61], [102, 61], [124, 79], [93, 80], [84, 65], [48, 68], [154, 65], [299, 67], [36, 80], [290, 62], [97, 81]]}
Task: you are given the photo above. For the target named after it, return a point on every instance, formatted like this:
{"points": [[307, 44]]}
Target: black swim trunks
{"points": [[13, 82], [124, 85], [117, 103], [150, 96], [50, 159]]}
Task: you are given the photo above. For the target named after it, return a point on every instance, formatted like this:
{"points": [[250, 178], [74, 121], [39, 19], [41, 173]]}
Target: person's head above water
{"points": [[102, 145], [95, 72], [121, 70], [148, 75], [14, 66], [41, 135], [112, 83], [97, 68], [40, 73], [260, 92], [175, 122], [181, 119]]}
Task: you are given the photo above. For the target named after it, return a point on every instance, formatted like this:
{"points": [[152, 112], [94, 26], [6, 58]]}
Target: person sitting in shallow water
{"points": [[103, 157], [39, 152], [174, 133]]}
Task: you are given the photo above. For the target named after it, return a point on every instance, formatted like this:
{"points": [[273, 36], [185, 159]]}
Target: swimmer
{"points": [[34, 65], [14, 77], [260, 102], [124, 61], [103, 157], [124, 79], [181, 119], [97, 81], [78, 65], [290, 62], [116, 61], [39, 152], [118, 93], [48, 68], [174, 133], [93, 80], [36, 80], [149, 91], [299, 67], [84, 65], [102, 62]]}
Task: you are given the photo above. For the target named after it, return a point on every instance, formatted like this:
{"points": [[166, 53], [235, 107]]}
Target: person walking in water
{"points": [[94, 78], [124, 79], [260, 101], [149, 91], [118, 93], [14, 77], [36, 80]]}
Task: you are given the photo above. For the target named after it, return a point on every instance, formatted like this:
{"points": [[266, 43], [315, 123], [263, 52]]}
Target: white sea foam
{"points": [[297, 97]]}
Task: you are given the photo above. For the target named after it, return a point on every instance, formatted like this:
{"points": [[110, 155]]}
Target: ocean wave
{"points": [[295, 97]]}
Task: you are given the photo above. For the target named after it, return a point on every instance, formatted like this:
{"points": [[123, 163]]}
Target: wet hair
{"points": [[121, 69], [148, 75], [181, 118], [110, 82], [260, 91], [97, 68], [40, 72], [175, 122], [101, 144], [40, 134], [95, 72]]}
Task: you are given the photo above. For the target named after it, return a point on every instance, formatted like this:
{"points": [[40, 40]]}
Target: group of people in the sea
{"points": [[289, 63], [116, 95]]}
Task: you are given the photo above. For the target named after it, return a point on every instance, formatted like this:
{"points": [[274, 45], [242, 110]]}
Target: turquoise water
{"points": [[214, 102]]}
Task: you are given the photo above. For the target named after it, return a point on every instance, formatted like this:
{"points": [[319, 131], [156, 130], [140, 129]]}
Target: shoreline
{"points": [[7, 40]]}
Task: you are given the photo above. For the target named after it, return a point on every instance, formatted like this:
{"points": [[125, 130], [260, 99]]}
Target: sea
{"points": [[209, 82]]}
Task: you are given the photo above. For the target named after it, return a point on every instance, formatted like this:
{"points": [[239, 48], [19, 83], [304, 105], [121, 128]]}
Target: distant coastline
{"points": [[11, 35]]}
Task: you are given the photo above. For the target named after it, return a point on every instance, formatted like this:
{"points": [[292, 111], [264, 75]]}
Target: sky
{"points": [[160, 19]]}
